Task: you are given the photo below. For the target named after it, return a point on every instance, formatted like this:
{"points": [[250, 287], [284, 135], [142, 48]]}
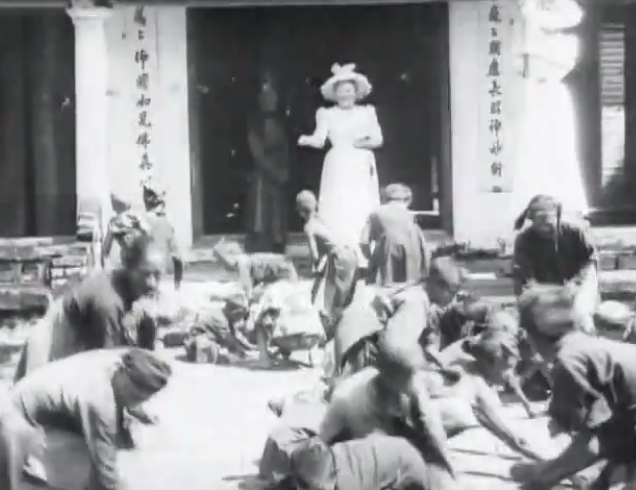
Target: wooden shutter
{"points": [[612, 97]]}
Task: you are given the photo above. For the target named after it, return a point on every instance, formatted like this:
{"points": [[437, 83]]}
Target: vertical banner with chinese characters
{"points": [[144, 55], [495, 44]]}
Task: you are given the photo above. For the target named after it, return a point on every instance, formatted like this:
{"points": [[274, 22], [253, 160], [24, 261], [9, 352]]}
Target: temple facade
{"points": [[164, 92]]}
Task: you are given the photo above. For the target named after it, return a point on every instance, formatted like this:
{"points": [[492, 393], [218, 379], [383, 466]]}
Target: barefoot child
{"points": [[392, 241], [335, 262]]}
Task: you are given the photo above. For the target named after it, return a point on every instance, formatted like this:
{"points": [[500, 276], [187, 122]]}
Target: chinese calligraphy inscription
{"points": [[495, 92], [143, 138]]}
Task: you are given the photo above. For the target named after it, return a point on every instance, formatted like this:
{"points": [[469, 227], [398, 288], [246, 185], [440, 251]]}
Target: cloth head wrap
{"points": [[313, 464], [396, 192], [306, 200], [447, 272], [548, 310], [538, 204], [145, 370], [153, 196]]}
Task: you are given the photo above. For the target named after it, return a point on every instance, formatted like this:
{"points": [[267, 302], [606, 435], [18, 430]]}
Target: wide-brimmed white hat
{"points": [[346, 73]]}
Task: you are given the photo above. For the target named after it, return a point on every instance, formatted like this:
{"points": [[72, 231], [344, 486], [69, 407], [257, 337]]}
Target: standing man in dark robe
{"points": [[87, 393], [269, 146], [554, 251], [393, 242]]}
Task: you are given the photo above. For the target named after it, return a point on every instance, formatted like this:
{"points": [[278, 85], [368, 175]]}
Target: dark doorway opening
{"points": [[401, 48], [37, 123]]}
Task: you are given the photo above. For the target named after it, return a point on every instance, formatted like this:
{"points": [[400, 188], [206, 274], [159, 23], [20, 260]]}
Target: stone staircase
{"points": [[67, 261], [488, 276]]}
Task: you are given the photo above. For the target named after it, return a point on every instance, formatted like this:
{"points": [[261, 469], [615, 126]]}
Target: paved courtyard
{"points": [[214, 422]]}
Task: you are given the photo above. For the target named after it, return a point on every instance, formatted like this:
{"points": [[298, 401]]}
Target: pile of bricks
{"points": [[31, 274], [70, 264]]}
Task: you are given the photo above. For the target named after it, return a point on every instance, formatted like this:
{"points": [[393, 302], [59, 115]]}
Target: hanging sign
{"points": [[493, 97]]}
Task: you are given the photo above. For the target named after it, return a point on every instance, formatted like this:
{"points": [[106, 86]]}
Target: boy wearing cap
{"points": [[87, 392], [392, 242]]}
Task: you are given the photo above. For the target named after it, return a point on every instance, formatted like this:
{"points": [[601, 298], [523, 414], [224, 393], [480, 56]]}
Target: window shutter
{"points": [[612, 98]]}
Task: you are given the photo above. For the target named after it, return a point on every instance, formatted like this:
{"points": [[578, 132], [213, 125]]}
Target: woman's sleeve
{"points": [[322, 126], [375, 130]]}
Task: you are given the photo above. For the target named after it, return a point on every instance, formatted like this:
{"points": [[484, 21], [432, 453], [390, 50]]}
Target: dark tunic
{"points": [[379, 462], [400, 250], [75, 394], [549, 261], [594, 387], [89, 316], [267, 208]]}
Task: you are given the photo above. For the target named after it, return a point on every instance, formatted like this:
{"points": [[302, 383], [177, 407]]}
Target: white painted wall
{"points": [[165, 41], [479, 215]]}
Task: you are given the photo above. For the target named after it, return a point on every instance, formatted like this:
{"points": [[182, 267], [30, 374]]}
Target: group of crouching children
{"points": [[415, 361]]}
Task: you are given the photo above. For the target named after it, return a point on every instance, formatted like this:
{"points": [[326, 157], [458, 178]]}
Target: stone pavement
{"points": [[213, 424]]}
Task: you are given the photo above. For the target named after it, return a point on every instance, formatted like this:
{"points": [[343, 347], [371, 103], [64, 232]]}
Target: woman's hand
{"points": [[363, 143], [305, 140]]}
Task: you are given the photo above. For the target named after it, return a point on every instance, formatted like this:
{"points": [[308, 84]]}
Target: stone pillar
{"points": [[94, 208]]}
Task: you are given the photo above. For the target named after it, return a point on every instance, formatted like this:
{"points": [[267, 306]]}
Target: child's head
{"points": [[444, 281], [306, 203], [397, 193]]}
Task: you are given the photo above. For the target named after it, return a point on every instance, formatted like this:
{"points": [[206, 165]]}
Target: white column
{"points": [[91, 106]]}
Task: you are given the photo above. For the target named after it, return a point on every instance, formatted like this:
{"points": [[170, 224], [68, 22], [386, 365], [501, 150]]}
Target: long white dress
{"points": [[548, 161], [349, 189]]}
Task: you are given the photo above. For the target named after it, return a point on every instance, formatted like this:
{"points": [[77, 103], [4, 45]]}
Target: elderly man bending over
{"points": [[86, 392]]}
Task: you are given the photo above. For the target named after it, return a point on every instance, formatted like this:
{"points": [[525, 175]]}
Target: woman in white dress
{"points": [[349, 189], [548, 162]]}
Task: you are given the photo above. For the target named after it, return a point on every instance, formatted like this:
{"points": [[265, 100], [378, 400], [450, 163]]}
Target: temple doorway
{"points": [[403, 49], [37, 123]]}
